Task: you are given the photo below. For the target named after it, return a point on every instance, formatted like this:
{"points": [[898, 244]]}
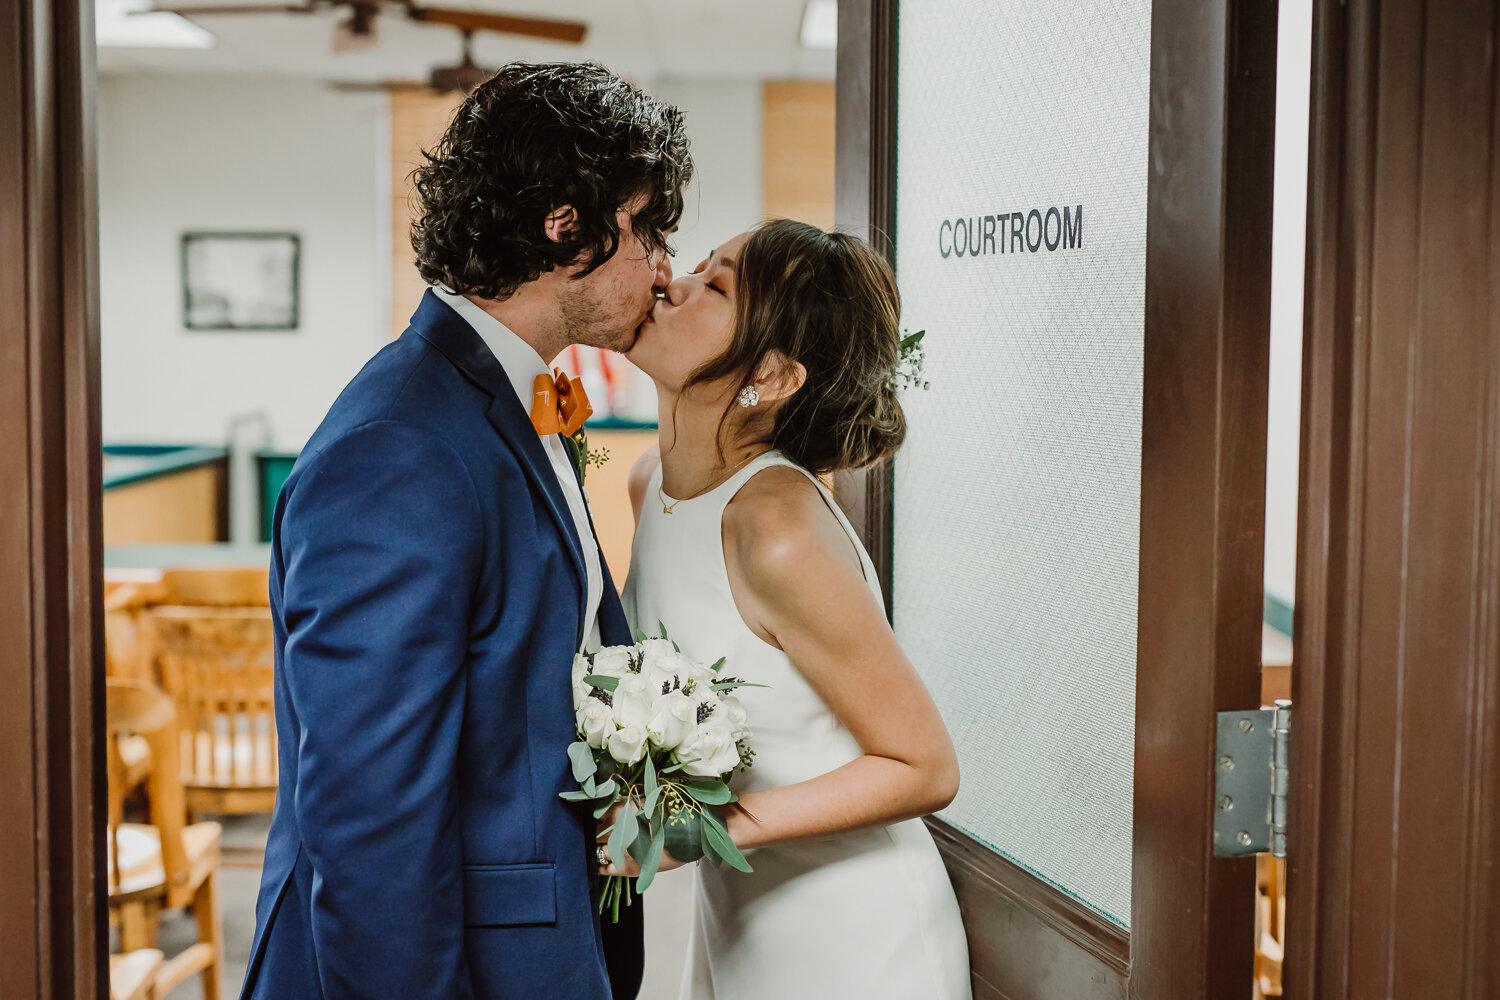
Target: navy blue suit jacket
{"points": [[428, 592]]}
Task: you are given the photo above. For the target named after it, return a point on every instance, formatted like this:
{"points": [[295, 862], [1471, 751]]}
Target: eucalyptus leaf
{"points": [[608, 790], [731, 685], [718, 836], [642, 843], [714, 793], [623, 835], [581, 755], [652, 861], [604, 806], [602, 682], [575, 796], [684, 836], [717, 664], [652, 788], [673, 769], [662, 627], [640, 635]]}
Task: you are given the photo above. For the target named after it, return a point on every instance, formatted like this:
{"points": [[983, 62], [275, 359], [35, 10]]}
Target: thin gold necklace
{"points": [[666, 508]]}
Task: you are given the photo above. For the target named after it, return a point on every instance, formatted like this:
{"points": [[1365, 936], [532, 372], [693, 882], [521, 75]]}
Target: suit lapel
{"points": [[456, 340]]}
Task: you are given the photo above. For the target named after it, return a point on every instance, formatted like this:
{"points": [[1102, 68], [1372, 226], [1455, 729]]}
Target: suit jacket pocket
{"points": [[509, 895]]}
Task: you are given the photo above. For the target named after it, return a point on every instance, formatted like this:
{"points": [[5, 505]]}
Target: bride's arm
{"points": [[798, 583], [640, 478]]}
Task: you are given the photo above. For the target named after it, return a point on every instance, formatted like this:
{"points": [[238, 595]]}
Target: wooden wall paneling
{"points": [[417, 121], [182, 507], [797, 148]]}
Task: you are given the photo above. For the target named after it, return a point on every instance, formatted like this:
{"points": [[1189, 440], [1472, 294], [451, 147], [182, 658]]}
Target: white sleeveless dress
{"points": [[868, 915]]}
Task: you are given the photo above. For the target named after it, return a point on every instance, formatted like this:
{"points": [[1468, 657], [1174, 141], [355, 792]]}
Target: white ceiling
{"points": [[640, 39]]}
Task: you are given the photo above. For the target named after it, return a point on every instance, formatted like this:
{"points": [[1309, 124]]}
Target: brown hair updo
{"points": [[828, 301]]}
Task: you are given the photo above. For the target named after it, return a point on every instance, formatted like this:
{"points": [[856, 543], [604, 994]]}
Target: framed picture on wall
{"points": [[240, 281]]}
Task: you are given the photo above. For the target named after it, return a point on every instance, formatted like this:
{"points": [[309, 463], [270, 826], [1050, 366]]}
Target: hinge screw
{"points": [[1226, 804], [1244, 839], [1226, 763], [1246, 725]]}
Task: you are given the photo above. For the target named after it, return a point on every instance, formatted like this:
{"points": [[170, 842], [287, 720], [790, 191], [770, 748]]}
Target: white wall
{"points": [[1288, 256], [213, 153], [724, 124], [179, 153]]}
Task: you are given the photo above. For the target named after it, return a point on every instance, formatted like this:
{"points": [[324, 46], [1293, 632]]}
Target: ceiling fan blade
{"points": [[471, 20], [208, 10]]}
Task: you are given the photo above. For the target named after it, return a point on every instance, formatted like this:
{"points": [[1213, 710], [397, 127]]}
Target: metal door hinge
{"points": [[1251, 782]]}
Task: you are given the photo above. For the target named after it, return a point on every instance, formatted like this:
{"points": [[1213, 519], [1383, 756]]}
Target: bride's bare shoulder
{"points": [[640, 477], [778, 522]]}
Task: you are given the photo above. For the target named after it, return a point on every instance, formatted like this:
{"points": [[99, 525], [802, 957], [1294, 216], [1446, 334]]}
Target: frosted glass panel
{"points": [[1020, 248]]}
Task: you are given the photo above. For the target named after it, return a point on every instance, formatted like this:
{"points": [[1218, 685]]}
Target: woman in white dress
{"points": [[773, 362]]}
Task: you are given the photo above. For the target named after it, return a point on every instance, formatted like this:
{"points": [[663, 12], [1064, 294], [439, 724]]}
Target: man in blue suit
{"points": [[435, 571]]}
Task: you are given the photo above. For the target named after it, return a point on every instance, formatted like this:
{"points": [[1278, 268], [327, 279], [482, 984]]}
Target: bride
{"points": [[773, 364]]}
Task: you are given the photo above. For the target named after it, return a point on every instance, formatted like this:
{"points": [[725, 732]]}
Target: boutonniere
{"points": [[583, 455]]}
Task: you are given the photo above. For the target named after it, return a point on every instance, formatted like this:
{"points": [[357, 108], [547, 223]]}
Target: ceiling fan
{"points": [[359, 28], [464, 76]]}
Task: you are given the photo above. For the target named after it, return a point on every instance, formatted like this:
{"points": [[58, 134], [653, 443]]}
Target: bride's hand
{"points": [[631, 868]]}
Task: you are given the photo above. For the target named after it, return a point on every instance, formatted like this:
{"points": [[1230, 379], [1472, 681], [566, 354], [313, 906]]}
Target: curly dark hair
{"points": [[830, 302], [532, 138]]}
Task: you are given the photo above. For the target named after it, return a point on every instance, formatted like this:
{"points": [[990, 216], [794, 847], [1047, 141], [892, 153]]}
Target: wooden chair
{"points": [[217, 586], [127, 653], [1270, 924], [132, 976], [217, 664], [164, 864]]}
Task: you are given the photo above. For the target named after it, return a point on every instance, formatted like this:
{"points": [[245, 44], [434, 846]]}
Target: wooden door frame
{"points": [[1202, 506], [1394, 813], [52, 893]]}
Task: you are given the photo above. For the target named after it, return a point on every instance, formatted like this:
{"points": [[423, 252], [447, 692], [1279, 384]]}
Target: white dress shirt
{"points": [[522, 365]]}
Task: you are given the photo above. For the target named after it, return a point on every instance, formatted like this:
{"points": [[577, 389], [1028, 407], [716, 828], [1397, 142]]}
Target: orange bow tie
{"points": [[559, 405]]}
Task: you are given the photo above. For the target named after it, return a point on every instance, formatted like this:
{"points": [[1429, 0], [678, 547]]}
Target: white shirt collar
{"points": [[520, 360]]}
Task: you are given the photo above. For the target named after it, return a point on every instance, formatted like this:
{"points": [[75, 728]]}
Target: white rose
{"points": [[669, 670], [735, 712], [673, 721], [628, 744], [596, 721], [655, 647], [634, 700], [701, 672], [712, 749], [613, 661], [581, 669]]}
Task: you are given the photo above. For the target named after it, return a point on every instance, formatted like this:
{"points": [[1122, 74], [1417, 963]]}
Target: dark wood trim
{"points": [[1012, 913], [865, 203], [1393, 886], [52, 914], [221, 498], [1213, 65]]}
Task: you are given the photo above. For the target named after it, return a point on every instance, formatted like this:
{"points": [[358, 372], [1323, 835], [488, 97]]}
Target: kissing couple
{"points": [[435, 573]]}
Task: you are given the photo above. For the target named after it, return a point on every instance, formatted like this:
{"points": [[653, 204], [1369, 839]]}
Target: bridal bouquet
{"points": [[661, 734]]}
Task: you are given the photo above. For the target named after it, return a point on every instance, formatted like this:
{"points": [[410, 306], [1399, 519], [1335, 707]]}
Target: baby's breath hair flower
{"points": [[910, 364]]}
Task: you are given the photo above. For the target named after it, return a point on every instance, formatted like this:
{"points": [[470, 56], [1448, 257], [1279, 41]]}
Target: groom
{"points": [[434, 571]]}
